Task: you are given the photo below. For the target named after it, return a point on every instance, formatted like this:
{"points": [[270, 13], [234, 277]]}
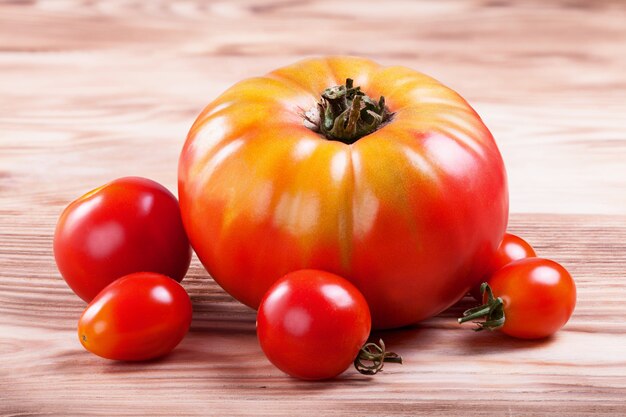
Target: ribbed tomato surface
{"points": [[411, 213]]}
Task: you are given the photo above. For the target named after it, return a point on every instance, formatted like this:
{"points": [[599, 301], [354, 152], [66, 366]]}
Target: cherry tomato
{"points": [[137, 317], [312, 324], [529, 298], [408, 200], [510, 249], [128, 225]]}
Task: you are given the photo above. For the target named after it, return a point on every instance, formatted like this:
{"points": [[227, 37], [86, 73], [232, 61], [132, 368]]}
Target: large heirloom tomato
{"points": [[405, 196]]}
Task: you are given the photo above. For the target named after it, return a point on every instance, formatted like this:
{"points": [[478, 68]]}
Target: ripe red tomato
{"points": [[406, 198], [312, 324], [529, 298], [138, 317], [510, 249], [128, 225]]}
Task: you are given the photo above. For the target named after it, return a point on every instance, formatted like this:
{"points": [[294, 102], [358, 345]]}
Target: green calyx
{"points": [[376, 354], [492, 311], [346, 114]]}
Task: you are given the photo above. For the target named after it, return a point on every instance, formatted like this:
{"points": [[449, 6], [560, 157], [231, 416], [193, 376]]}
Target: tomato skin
{"points": [[510, 249], [129, 225], [413, 211], [539, 297], [311, 324], [140, 316]]}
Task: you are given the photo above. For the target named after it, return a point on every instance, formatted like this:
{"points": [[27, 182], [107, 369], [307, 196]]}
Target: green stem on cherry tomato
{"points": [[492, 311], [346, 114], [375, 353]]}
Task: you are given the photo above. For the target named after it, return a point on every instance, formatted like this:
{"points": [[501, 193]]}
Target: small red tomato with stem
{"points": [[129, 225], [138, 317], [530, 298], [313, 325], [510, 249]]}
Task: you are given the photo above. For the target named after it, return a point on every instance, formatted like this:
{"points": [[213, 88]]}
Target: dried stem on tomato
{"points": [[346, 114], [376, 354]]}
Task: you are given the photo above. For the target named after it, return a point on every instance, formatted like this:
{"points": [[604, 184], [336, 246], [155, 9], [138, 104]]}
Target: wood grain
{"points": [[93, 90]]}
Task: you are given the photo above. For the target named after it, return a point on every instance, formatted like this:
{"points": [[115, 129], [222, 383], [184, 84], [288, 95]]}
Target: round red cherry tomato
{"points": [[312, 324], [510, 249], [138, 317], [128, 225], [529, 298]]}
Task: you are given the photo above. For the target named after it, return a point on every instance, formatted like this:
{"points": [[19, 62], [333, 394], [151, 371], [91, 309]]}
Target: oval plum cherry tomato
{"points": [[312, 324], [529, 298], [510, 249], [138, 317], [129, 225]]}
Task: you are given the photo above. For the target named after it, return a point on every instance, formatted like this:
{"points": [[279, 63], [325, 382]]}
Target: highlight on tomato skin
{"points": [[511, 248], [530, 298], [128, 225], [140, 316]]}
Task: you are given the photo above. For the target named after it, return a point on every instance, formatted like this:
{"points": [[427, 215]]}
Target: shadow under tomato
{"points": [[226, 317], [116, 367], [485, 342], [444, 336], [457, 309], [350, 378]]}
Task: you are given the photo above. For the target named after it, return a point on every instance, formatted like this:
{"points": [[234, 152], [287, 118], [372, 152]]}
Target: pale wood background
{"points": [[93, 90]]}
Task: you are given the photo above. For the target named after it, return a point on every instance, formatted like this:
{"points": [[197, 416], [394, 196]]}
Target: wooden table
{"points": [[91, 91]]}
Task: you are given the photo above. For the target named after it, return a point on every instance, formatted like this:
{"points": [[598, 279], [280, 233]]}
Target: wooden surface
{"points": [[93, 90]]}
